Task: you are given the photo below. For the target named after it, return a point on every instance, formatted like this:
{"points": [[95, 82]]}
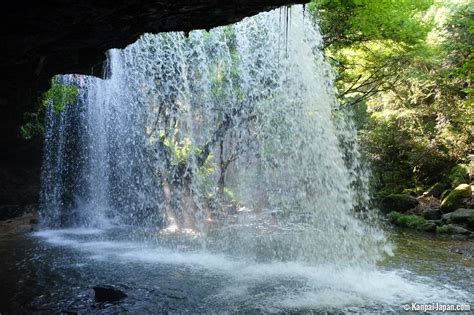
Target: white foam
{"points": [[310, 287]]}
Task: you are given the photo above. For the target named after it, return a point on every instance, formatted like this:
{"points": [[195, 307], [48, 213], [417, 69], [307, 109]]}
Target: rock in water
{"points": [[428, 227], [462, 216], [452, 229], [107, 293], [398, 202]]}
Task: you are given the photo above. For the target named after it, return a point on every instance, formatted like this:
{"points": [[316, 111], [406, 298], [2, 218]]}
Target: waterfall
{"points": [[228, 137]]}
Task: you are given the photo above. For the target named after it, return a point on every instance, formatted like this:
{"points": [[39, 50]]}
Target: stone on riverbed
{"points": [[107, 293], [461, 216], [452, 229], [428, 226]]}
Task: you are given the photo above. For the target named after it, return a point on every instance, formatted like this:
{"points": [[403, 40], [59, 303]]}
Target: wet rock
{"points": [[398, 202], [107, 293], [452, 229], [432, 214], [455, 198], [462, 216], [428, 226]]}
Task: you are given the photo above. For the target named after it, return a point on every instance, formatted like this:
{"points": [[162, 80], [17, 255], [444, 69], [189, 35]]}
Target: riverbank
{"points": [[450, 212]]}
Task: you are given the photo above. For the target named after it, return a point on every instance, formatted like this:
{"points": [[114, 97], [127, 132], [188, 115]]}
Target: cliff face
{"points": [[43, 38]]}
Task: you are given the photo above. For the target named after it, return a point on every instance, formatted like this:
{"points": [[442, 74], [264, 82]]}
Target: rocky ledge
{"points": [[44, 38]]}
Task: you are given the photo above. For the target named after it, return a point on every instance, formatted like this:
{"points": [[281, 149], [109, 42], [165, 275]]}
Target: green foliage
{"points": [[33, 126], [410, 221], [405, 69], [347, 22], [458, 175], [59, 96]]}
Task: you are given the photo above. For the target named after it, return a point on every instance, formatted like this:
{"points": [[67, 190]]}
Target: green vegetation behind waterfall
{"points": [[405, 69]]}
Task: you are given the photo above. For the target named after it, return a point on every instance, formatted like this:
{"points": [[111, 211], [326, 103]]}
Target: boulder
{"points": [[432, 214], [452, 229], [428, 226], [463, 216], [107, 293], [455, 198], [398, 202]]}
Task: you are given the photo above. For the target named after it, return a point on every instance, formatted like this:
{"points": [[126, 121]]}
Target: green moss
{"points": [[427, 227], [410, 221], [462, 216], [444, 229], [453, 200], [452, 229]]}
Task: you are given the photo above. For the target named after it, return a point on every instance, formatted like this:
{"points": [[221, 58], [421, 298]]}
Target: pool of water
{"points": [[54, 271]]}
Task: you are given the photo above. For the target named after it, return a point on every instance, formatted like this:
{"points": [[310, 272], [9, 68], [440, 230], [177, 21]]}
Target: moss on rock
{"points": [[410, 221], [454, 199], [428, 226], [452, 229], [462, 216]]}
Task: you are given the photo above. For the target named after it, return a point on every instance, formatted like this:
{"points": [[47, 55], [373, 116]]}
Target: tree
{"points": [[405, 69]]}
